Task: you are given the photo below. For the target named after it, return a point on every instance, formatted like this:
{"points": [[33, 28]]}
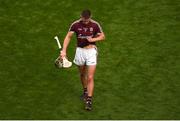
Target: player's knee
{"points": [[82, 75], [90, 78]]}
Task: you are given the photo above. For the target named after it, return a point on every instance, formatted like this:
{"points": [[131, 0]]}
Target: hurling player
{"points": [[88, 32]]}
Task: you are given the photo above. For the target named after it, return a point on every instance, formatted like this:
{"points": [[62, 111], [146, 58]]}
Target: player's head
{"points": [[85, 16]]}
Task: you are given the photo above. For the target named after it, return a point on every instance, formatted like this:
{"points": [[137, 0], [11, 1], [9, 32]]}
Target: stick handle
{"points": [[57, 40]]}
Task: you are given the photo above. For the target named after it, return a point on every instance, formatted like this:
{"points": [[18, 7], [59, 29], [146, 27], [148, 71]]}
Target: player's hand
{"points": [[62, 54], [90, 39]]}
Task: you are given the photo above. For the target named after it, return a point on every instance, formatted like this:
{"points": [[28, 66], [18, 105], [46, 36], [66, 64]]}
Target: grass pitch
{"points": [[139, 62]]}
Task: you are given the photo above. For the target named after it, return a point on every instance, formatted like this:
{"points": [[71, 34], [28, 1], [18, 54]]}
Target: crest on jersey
{"points": [[91, 29]]}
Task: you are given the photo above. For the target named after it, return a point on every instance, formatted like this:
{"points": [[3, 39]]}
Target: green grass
{"points": [[138, 75]]}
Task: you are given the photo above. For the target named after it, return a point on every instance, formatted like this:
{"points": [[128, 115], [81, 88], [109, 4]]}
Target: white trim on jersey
{"points": [[73, 24], [97, 24]]}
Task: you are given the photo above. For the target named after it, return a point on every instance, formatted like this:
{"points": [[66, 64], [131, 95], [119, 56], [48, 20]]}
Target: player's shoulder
{"points": [[95, 22], [75, 22], [96, 25]]}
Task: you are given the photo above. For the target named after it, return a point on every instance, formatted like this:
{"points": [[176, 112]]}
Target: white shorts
{"points": [[85, 56]]}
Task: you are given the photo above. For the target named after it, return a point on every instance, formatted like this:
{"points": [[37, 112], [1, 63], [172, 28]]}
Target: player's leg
{"points": [[80, 62], [90, 79], [83, 78], [91, 68], [90, 86]]}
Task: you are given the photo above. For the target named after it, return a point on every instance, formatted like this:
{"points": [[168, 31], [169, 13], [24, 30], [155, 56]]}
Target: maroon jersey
{"points": [[85, 30]]}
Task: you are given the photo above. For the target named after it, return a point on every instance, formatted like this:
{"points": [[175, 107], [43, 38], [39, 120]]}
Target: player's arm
{"points": [[100, 37], [100, 34], [66, 43]]}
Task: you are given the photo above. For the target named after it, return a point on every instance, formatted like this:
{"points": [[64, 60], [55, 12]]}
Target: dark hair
{"points": [[86, 14]]}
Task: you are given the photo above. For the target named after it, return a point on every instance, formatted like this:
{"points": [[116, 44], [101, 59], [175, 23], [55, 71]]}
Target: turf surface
{"points": [[138, 75]]}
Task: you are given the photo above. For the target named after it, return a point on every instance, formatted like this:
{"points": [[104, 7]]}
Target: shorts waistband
{"points": [[88, 47]]}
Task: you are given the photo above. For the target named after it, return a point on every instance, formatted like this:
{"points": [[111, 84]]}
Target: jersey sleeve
{"points": [[72, 28], [98, 28]]}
